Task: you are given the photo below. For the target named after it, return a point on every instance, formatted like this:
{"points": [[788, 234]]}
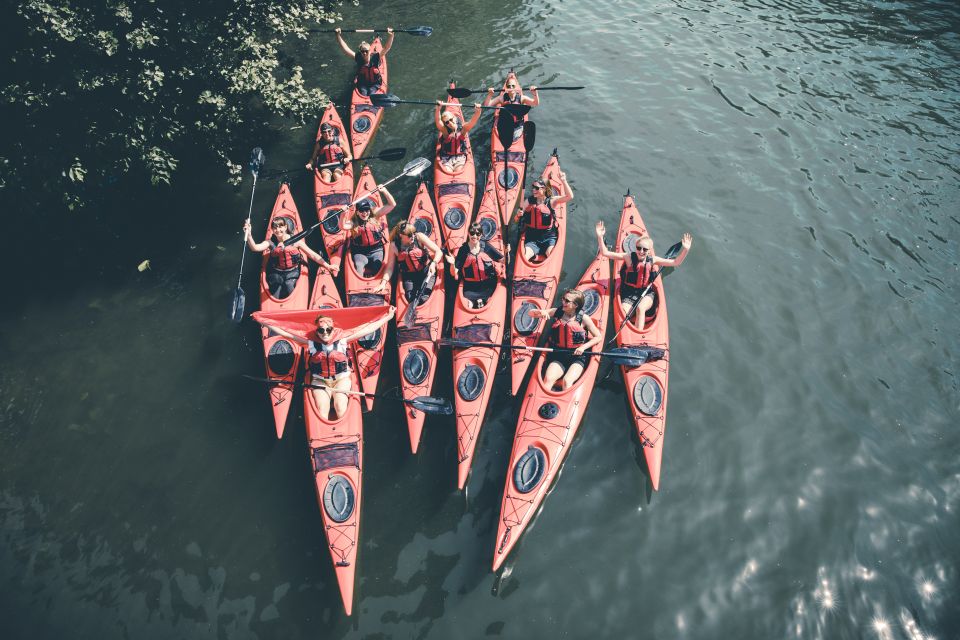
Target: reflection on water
{"points": [[810, 485]]}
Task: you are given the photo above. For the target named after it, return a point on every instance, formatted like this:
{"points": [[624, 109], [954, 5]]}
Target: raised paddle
{"points": [[463, 92], [625, 356], [413, 168], [389, 100], [410, 317], [427, 404], [389, 155], [257, 160], [413, 31], [672, 252]]}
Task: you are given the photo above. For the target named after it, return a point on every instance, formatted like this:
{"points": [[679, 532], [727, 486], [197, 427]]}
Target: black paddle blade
{"points": [[429, 404], [673, 251], [257, 160], [459, 92], [516, 110], [627, 357], [393, 153], [236, 309], [505, 127], [388, 100], [529, 135], [418, 31]]}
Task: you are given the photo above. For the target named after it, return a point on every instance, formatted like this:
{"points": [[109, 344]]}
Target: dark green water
{"points": [[810, 486]]}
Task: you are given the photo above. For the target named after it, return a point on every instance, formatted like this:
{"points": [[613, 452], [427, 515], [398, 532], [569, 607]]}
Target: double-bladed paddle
{"points": [[463, 92], [624, 356], [389, 155], [427, 404], [410, 316], [672, 252], [257, 160], [413, 31], [389, 100]]}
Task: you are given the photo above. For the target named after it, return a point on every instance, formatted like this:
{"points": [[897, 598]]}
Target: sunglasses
{"points": [[277, 225], [324, 330], [477, 233], [642, 250], [569, 301]]}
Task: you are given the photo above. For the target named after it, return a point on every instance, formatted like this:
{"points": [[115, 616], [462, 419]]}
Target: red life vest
{"points": [[568, 334], [369, 74], [412, 258], [286, 258], [370, 234], [634, 274], [478, 268], [328, 364], [454, 144], [539, 216], [330, 152]]}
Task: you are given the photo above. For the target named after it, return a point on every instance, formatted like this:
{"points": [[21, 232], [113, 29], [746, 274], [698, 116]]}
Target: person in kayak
{"points": [[569, 329], [476, 266], [637, 271], [327, 149], [539, 218], [512, 94], [366, 234], [454, 137], [329, 360], [369, 78], [418, 257], [283, 262]]}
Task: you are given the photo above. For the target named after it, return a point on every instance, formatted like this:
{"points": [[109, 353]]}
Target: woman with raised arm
{"points": [[369, 78], [512, 94], [571, 329], [283, 264], [366, 234], [418, 257], [476, 266], [454, 137], [539, 218]]}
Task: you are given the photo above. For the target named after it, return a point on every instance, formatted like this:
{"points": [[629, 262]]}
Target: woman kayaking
{"points": [[454, 137], [329, 360], [369, 79], [638, 269], [283, 264], [366, 234], [327, 150], [569, 330], [540, 219], [418, 257], [476, 267], [512, 94]]}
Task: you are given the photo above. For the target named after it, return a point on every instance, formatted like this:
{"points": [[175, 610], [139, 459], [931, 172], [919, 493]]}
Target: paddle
{"points": [[413, 31], [389, 100], [672, 252], [391, 154], [413, 168], [427, 404], [463, 92], [257, 160], [410, 317], [625, 356]]}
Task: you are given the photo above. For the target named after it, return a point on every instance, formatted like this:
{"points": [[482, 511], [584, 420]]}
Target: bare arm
{"points": [[388, 204], [389, 43], [534, 100], [313, 156], [313, 255], [595, 336], [343, 45], [492, 100], [567, 194], [606, 253], [476, 116], [685, 243], [286, 334], [541, 313], [254, 246], [369, 327], [437, 119]]}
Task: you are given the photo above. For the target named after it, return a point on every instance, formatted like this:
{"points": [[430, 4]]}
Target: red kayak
{"points": [[332, 196], [282, 357], [454, 191], [646, 386], [417, 344], [535, 285], [364, 117], [475, 367], [549, 420], [362, 292], [336, 444], [508, 157]]}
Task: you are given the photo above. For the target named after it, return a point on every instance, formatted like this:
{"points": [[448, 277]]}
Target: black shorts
{"points": [[282, 282], [631, 296], [567, 359]]}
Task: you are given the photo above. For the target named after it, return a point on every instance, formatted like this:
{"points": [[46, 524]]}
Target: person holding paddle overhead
{"points": [[327, 150], [369, 78], [638, 271], [512, 94], [418, 268], [283, 261], [366, 234], [476, 266], [454, 137], [329, 359], [540, 219], [569, 330]]}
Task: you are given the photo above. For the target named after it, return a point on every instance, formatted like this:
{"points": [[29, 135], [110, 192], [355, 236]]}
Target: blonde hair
{"points": [[578, 298], [404, 228], [326, 320]]}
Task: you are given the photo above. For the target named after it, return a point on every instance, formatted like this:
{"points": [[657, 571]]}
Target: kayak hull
{"points": [[454, 192], [508, 158], [332, 196], [364, 117]]}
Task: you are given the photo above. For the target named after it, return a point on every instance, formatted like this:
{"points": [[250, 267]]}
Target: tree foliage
{"points": [[110, 90]]}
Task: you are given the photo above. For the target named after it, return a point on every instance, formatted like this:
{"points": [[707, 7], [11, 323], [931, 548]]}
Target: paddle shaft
{"points": [[414, 31], [249, 214], [458, 92], [464, 344], [671, 252]]}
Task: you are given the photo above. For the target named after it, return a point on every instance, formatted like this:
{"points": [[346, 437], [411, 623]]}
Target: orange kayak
{"points": [[331, 196], [548, 422], [281, 356], [474, 368], [508, 157], [454, 191], [364, 117], [336, 444], [362, 292], [646, 386], [417, 344], [535, 285]]}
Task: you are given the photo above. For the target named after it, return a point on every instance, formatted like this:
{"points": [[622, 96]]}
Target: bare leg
{"points": [[572, 375], [340, 399], [529, 251], [322, 398], [552, 374], [326, 175]]}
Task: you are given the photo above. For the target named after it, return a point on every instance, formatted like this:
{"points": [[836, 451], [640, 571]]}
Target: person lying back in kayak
{"points": [[568, 330], [367, 233], [637, 271], [454, 137], [283, 262], [369, 78], [418, 257], [476, 265], [329, 360], [326, 150], [512, 94], [540, 218]]}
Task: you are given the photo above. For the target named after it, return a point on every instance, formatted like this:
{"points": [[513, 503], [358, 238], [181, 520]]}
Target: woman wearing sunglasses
{"points": [[366, 233], [369, 77], [454, 137], [638, 269], [569, 330], [329, 360], [476, 266], [418, 257], [328, 150], [512, 94], [284, 262], [540, 219]]}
